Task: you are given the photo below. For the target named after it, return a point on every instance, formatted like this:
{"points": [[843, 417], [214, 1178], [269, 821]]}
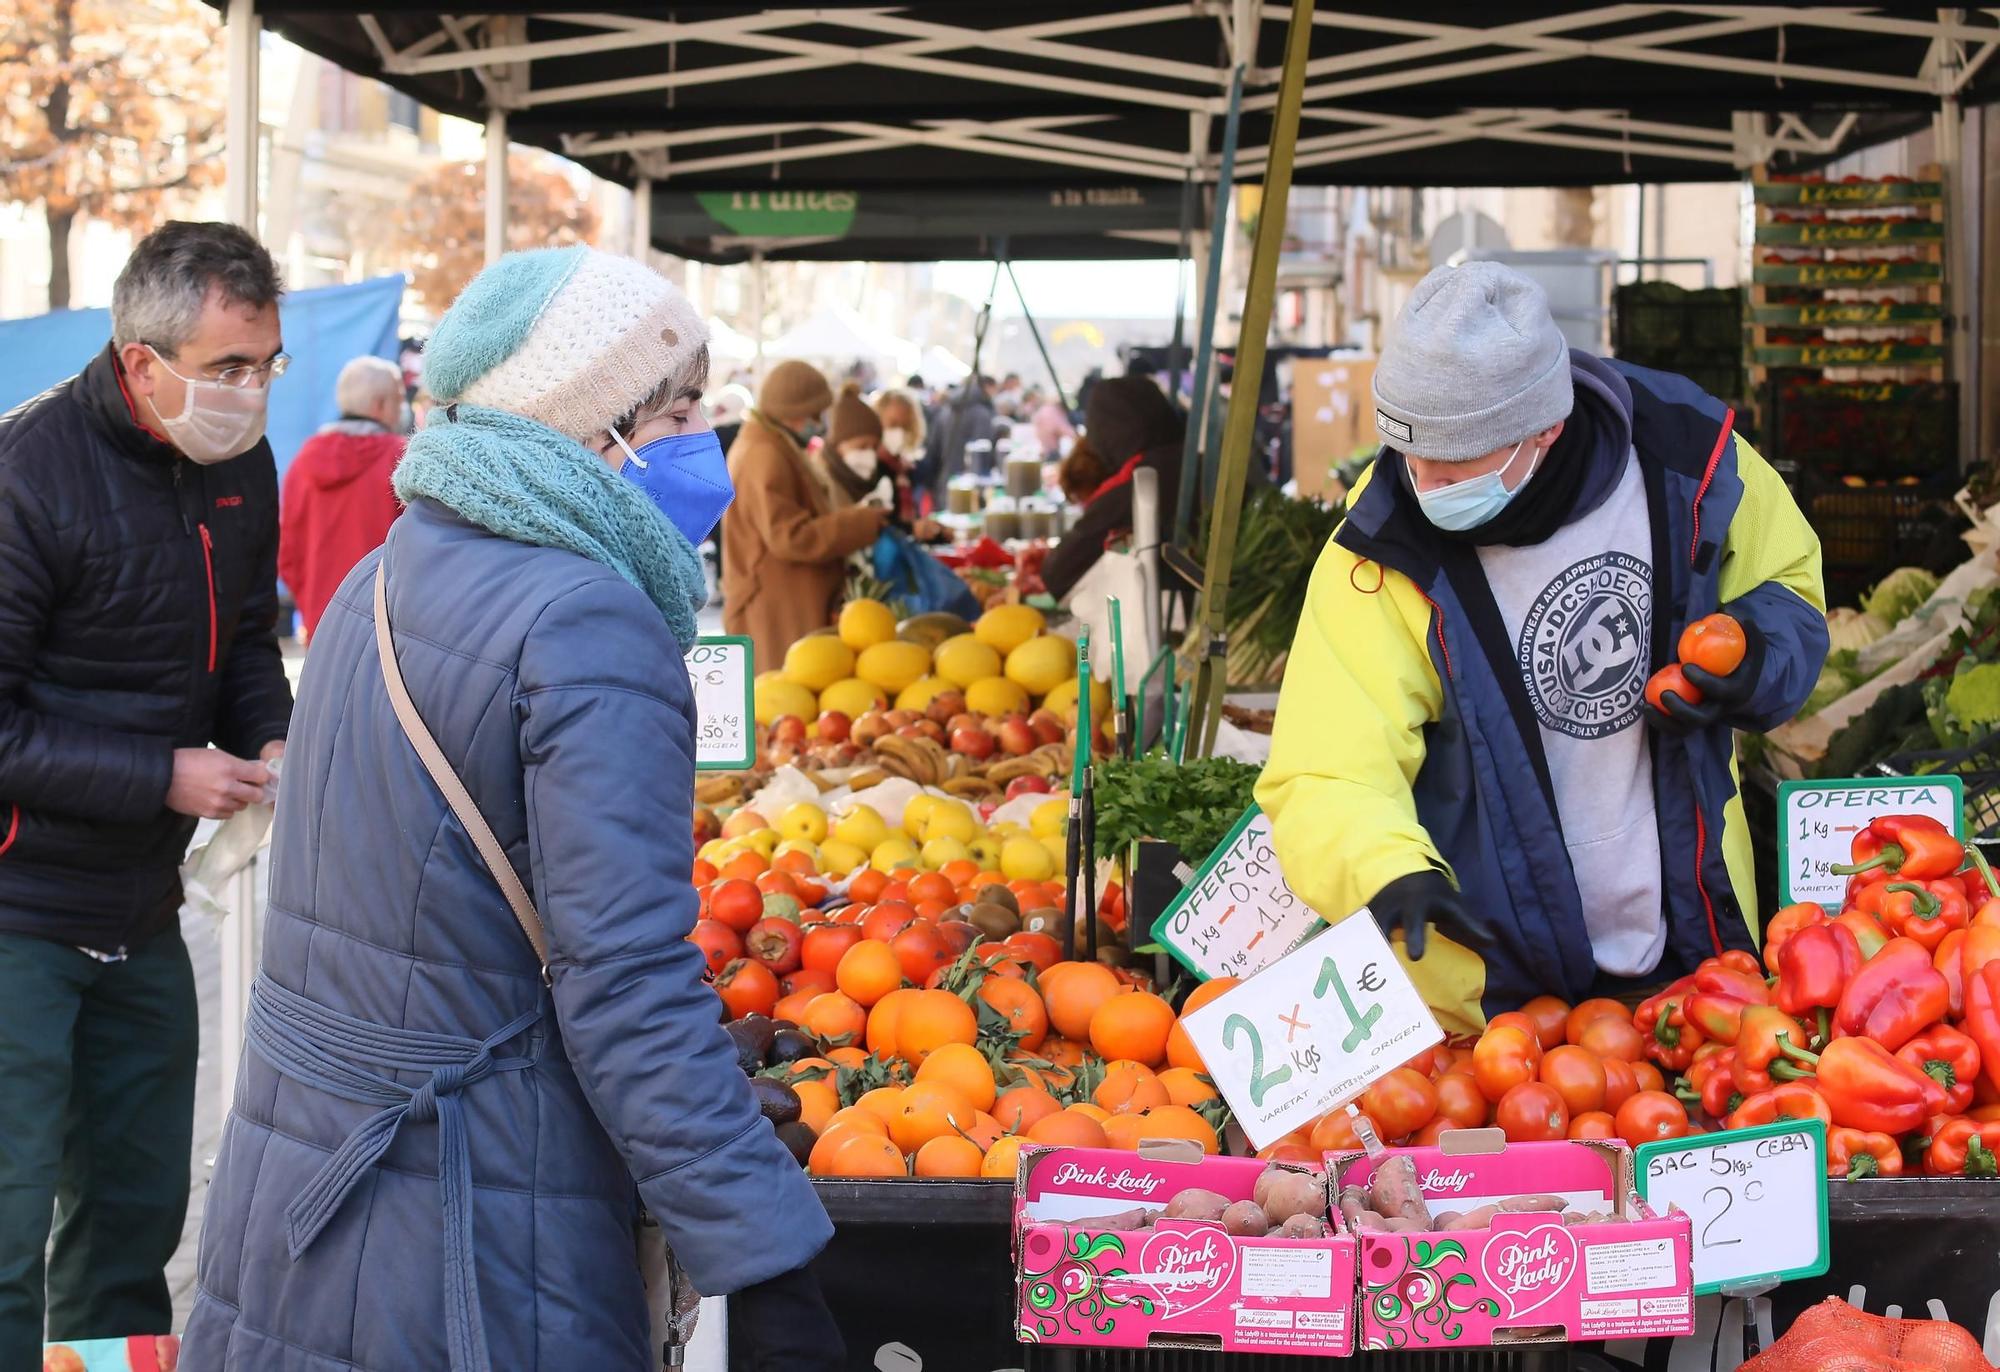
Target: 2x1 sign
{"points": [[1817, 822], [1312, 1030], [1757, 1198], [725, 733], [1238, 915]]}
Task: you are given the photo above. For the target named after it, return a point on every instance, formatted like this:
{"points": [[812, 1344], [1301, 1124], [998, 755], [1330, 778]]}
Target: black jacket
{"points": [[1129, 421], [138, 612]]}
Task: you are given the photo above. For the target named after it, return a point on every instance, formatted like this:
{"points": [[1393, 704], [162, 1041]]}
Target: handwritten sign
{"points": [[1757, 1198], [725, 735], [1817, 822], [1312, 1030], [1238, 915]]}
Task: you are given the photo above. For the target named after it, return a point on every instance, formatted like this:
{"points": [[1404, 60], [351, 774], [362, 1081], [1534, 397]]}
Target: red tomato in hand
{"points": [[1651, 1115], [1532, 1113], [1401, 1103], [1577, 1075], [1713, 643], [1505, 1058], [1670, 678]]}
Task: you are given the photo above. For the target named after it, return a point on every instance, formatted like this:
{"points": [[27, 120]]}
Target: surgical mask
{"points": [[1469, 504], [895, 440], [686, 476], [216, 422], [861, 461]]}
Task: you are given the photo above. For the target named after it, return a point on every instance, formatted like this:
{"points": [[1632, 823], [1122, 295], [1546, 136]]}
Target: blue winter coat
{"points": [[556, 690]]}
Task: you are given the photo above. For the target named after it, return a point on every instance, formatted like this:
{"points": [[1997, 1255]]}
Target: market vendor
{"points": [[1129, 423], [1462, 744]]}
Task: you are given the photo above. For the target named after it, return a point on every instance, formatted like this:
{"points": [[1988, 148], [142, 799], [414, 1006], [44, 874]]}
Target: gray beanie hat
{"points": [[1473, 364]]}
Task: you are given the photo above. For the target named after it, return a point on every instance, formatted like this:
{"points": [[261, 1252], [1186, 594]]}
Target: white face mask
{"points": [[216, 422], [895, 439], [861, 461]]}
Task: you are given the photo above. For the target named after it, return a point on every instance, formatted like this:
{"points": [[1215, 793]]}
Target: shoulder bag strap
{"points": [[447, 781]]}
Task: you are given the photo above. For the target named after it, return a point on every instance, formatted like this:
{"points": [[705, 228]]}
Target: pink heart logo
{"points": [[1187, 1267], [1529, 1269]]}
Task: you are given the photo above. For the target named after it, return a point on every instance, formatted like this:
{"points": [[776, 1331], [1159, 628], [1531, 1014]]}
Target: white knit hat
{"points": [[572, 338]]}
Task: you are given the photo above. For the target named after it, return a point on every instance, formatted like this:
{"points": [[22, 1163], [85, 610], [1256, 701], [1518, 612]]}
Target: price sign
{"points": [[1817, 822], [1757, 1198], [725, 733], [1312, 1030], [1238, 915]]}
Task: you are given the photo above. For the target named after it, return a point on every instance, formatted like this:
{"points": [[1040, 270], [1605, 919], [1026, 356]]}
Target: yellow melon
{"points": [[1062, 700], [995, 695], [852, 696], [918, 694], [964, 660], [819, 660], [1007, 627], [892, 665], [864, 623], [1042, 663], [776, 694]]}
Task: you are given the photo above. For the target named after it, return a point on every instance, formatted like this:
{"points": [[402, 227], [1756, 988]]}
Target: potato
{"points": [[1275, 1173], [1246, 1220], [1406, 1224], [1574, 1217], [1302, 1227], [1473, 1219], [1354, 1204], [1285, 1194], [1393, 1191], [1368, 1222], [1196, 1203], [1124, 1222], [1517, 1205]]}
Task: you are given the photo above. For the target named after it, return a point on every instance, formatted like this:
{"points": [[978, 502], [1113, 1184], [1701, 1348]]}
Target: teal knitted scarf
{"points": [[525, 481]]}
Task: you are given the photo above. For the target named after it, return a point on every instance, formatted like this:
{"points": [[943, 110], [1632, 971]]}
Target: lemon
{"points": [[861, 827], [774, 695], [892, 665], [818, 660], [995, 695], [805, 822], [985, 851], [865, 623], [938, 851], [841, 858], [764, 841], [1007, 627], [919, 693], [1025, 859], [853, 697], [949, 819], [1049, 818], [892, 853], [964, 660], [1041, 664], [917, 810]]}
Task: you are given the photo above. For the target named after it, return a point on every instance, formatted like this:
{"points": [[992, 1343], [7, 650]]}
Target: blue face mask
{"points": [[1468, 504], [686, 476]]}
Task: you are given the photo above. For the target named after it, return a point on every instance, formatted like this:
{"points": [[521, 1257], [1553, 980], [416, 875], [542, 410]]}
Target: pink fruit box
{"points": [[1182, 1283], [1528, 1278]]}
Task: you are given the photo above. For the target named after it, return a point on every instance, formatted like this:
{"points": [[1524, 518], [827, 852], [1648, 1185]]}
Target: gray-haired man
{"points": [[140, 689]]}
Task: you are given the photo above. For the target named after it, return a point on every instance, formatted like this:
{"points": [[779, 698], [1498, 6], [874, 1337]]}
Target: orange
{"points": [[850, 1056], [963, 1068], [948, 1156], [1096, 1112], [882, 1022], [1179, 1122], [868, 971], [1132, 1024], [1127, 1093], [1125, 1131], [1070, 1127], [1002, 1158], [929, 1020], [1021, 1004], [835, 1018], [927, 1111], [817, 1068], [881, 1103], [1180, 1048], [1185, 1086], [818, 1103], [856, 1155], [1061, 1051], [1074, 994], [985, 1131], [1018, 1108], [855, 1117]]}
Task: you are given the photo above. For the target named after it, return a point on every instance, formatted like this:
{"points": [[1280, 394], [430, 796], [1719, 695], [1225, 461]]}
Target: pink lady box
{"points": [[1176, 1283], [1528, 1277]]}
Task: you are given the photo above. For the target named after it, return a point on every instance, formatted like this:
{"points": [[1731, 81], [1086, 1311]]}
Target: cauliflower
{"points": [[1898, 594]]}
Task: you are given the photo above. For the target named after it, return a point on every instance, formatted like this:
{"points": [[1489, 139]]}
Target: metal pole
{"points": [[757, 308], [642, 218], [1206, 637], [496, 182], [1035, 332], [242, 137], [1204, 342]]}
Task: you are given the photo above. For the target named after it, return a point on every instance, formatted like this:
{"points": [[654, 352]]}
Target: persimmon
{"points": [[1021, 1005], [959, 872], [747, 988], [1714, 643], [866, 888], [1670, 678], [836, 1017], [882, 1022], [824, 945], [736, 903], [933, 886], [1074, 995], [818, 1103], [921, 950], [808, 979], [777, 882], [963, 1068], [745, 866], [929, 1020], [792, 1008], [1041, 950], [1133, 1025], [1180, 1048], [868, 971], [887, 920]]}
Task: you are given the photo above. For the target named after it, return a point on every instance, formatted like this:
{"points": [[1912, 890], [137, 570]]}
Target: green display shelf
{"points": [[1845, 274], [1849, 194], [1851, 233], [1846, 314], [1851, 354]]}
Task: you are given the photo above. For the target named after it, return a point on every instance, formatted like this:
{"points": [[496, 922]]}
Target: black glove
{"points": [[786, 1326], [1409, 903], [1721, 696]]}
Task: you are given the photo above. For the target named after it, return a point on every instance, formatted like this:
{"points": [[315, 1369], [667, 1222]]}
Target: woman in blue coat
{"points": [[440, 1140]]}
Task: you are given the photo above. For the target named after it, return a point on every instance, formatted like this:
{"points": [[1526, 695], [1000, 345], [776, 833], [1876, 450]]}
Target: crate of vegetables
{"points": [[1169, 1248], [1478, 1242]]}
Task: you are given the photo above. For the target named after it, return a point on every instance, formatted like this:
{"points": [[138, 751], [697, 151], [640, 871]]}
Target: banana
{"points": [[867, 778], [971, 788], [717, 790]]}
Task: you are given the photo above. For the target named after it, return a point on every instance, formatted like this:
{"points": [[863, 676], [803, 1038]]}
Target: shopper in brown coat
{"points": [[783, 546]]}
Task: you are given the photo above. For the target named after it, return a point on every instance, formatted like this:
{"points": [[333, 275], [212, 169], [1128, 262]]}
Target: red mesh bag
{"points": [[1835, 1337]]}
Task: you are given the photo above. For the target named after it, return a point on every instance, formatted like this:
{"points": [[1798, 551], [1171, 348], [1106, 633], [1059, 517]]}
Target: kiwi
{"points": [[994, 921], [1048, 920], [1002, 897], [1246, 1220]]}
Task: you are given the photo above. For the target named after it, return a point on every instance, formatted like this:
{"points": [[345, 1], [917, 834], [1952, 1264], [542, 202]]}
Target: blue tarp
{"points": [[324, 328]]}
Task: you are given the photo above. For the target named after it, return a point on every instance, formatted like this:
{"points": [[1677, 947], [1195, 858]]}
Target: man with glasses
{"points": [[141, 689]]}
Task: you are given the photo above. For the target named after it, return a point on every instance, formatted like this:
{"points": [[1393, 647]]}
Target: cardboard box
{"points": [[1529, 1278], [1333, 415], [1178, 1284]]}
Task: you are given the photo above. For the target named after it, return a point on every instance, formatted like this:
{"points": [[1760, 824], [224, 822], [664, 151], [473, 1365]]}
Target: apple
{"points": [[944, 705], [975, 743], [777, 943], [1048, 728], [1017, 736], [1028, 785], [924, 728], [781, 755], [964, 719], [901, 718], [870, 726], [834, 727], [706, 825], [744, 821], [788, 729]]}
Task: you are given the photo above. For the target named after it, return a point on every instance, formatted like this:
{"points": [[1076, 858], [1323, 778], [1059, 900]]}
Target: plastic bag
{"points": [[918, 580], [1835, 1337], [231, 849]]}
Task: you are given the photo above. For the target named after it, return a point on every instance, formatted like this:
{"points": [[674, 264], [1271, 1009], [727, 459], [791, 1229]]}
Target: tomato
{"points": [[1551, 1017], [1460, 1100], [1518, 1021], [1613, 1038], [1588, 1010], [1401, 1103], [1621, 1083], [1651, 1115], [1430, 1135], [1714, 643], [737, 903], [1650, 1077], [1505, 1058], [1577, 1075], [1670, 678], [1593, 1124], [1532, 1112]]}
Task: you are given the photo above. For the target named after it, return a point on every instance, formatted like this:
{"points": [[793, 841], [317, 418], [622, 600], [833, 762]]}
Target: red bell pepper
{"points": [[1945, 957], [1868, 1087], [1787, 924], [1949, 1058], [1662, 1019], [1791, 1100], [1896, 993], [1815, 967], [1761, 1049], [1708, 1083], [1981, 946], [1735, 974], [1963, 1147], [1985, 913], [1982, 1015], [1855, 1153], [1913, 847], [1935, 909], [1867, 930]]}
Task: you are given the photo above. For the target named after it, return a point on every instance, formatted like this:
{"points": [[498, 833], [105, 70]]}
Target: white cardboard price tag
{"points": [[1817, 822], [1312, 1030], [725, 734], [1239, 914], [1757, 1198]]}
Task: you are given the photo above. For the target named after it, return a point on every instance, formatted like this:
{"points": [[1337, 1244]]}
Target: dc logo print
{"points": [[1583, 646]]}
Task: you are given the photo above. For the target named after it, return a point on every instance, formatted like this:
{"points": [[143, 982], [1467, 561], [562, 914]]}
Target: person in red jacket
{"points": [[337, 506]]}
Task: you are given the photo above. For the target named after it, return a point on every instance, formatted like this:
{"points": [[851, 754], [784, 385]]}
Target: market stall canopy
{"points": [[838, 334], [1083, 93]]}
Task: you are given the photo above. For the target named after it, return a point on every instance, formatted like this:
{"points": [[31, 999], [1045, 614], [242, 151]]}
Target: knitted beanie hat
{"points": [[1473, 364], [794, 391], [572, 338], [852, 419]]}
